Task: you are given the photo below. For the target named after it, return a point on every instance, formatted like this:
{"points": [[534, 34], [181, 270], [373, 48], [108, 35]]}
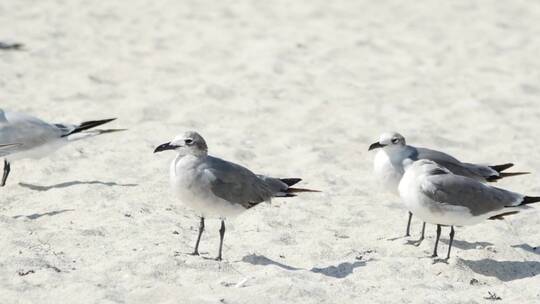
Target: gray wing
{"points": [[477, 172], [466, 192], [236, 184], [276, 185], [6, 149], [29, 131]]}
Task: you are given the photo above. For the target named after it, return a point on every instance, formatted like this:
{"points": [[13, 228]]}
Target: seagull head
{"points": [[189, 143], [389, 140]]}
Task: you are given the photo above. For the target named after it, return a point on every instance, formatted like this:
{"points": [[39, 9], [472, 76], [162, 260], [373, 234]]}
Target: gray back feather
{"points": [[27, 130], [275, 184], [236, 184], [477, 172], [462, 191]]}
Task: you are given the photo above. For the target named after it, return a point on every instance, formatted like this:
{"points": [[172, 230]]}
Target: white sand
{"points": [[288, 88]]}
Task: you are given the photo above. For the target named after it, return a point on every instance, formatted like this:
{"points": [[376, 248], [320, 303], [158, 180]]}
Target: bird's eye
{"points": [[395, 140], [188, 141]]}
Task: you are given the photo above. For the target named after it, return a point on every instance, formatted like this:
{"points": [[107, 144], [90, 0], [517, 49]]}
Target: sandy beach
{"points": [[285, 88]]}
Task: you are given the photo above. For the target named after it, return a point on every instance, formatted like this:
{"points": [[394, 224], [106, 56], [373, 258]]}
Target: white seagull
{"points": [[438, 196], [394, 152], [36, 138], [215, 187]]}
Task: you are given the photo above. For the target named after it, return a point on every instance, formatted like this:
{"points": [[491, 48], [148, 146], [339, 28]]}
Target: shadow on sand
{"points": [[35, 216], [339, 272], [528, 248], [73, 183], [504, 270], [464, 245]]}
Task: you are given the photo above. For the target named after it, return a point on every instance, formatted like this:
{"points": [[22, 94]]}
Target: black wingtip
{"points": [[111, 131], [500, 168], [530, 200], [290, 181], [89, 125], [502, 175], [95, 123]]}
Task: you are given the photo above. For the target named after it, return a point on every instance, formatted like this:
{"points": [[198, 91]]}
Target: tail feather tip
{"points": [[500, 168], [530, 200], [295, 190], [290, 181]]}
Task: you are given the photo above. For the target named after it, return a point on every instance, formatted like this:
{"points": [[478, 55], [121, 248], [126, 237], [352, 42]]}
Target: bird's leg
{"points": [[201, 229], [419, 241], [221, 235], [451, 240], [437, 241], [7, 168], [408, 230]]}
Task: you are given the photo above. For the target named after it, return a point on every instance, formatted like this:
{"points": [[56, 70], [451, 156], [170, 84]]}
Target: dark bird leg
{"points": [[221, 235], [419, 241], [408, 230], [201, 229], [451, 240], [437, 241], [7, 168]]}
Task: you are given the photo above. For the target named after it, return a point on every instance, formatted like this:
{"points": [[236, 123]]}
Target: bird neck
{"points": [[398, 155], [189, 158]]}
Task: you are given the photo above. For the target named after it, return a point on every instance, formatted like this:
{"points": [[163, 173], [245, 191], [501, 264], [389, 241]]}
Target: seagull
{"points": [[394, 151], [438, 196], [37, 138], [218, 188]]}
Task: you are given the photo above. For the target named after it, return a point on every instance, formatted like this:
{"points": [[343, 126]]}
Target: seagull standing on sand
{"points": [[438, 196], [218, 188], [394, 152], [36, 138]]}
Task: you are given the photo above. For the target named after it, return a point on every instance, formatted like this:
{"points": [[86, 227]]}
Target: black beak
{"points": [[165, 146], [374, 146]]}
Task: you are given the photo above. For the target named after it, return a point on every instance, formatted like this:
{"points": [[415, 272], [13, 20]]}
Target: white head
{"points": [[388, 141], [189, 143]]}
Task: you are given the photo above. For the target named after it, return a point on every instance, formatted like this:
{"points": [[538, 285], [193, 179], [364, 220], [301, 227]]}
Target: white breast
{"points": [[387, 173]]}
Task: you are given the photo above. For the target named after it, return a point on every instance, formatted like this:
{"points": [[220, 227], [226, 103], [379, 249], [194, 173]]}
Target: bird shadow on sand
{"points": [[35, 216], [504, 270], [464, 245], [528, 248], [73, 183], [339, 272]]}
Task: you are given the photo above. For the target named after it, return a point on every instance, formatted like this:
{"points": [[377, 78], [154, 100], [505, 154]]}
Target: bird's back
{"points": [[214, 186], [441, 197], [236, 183], [29, 131], [478, 172]]}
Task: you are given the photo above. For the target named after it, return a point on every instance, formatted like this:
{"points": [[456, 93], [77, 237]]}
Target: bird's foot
{"points": [[437, 261], [416, 243]]}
